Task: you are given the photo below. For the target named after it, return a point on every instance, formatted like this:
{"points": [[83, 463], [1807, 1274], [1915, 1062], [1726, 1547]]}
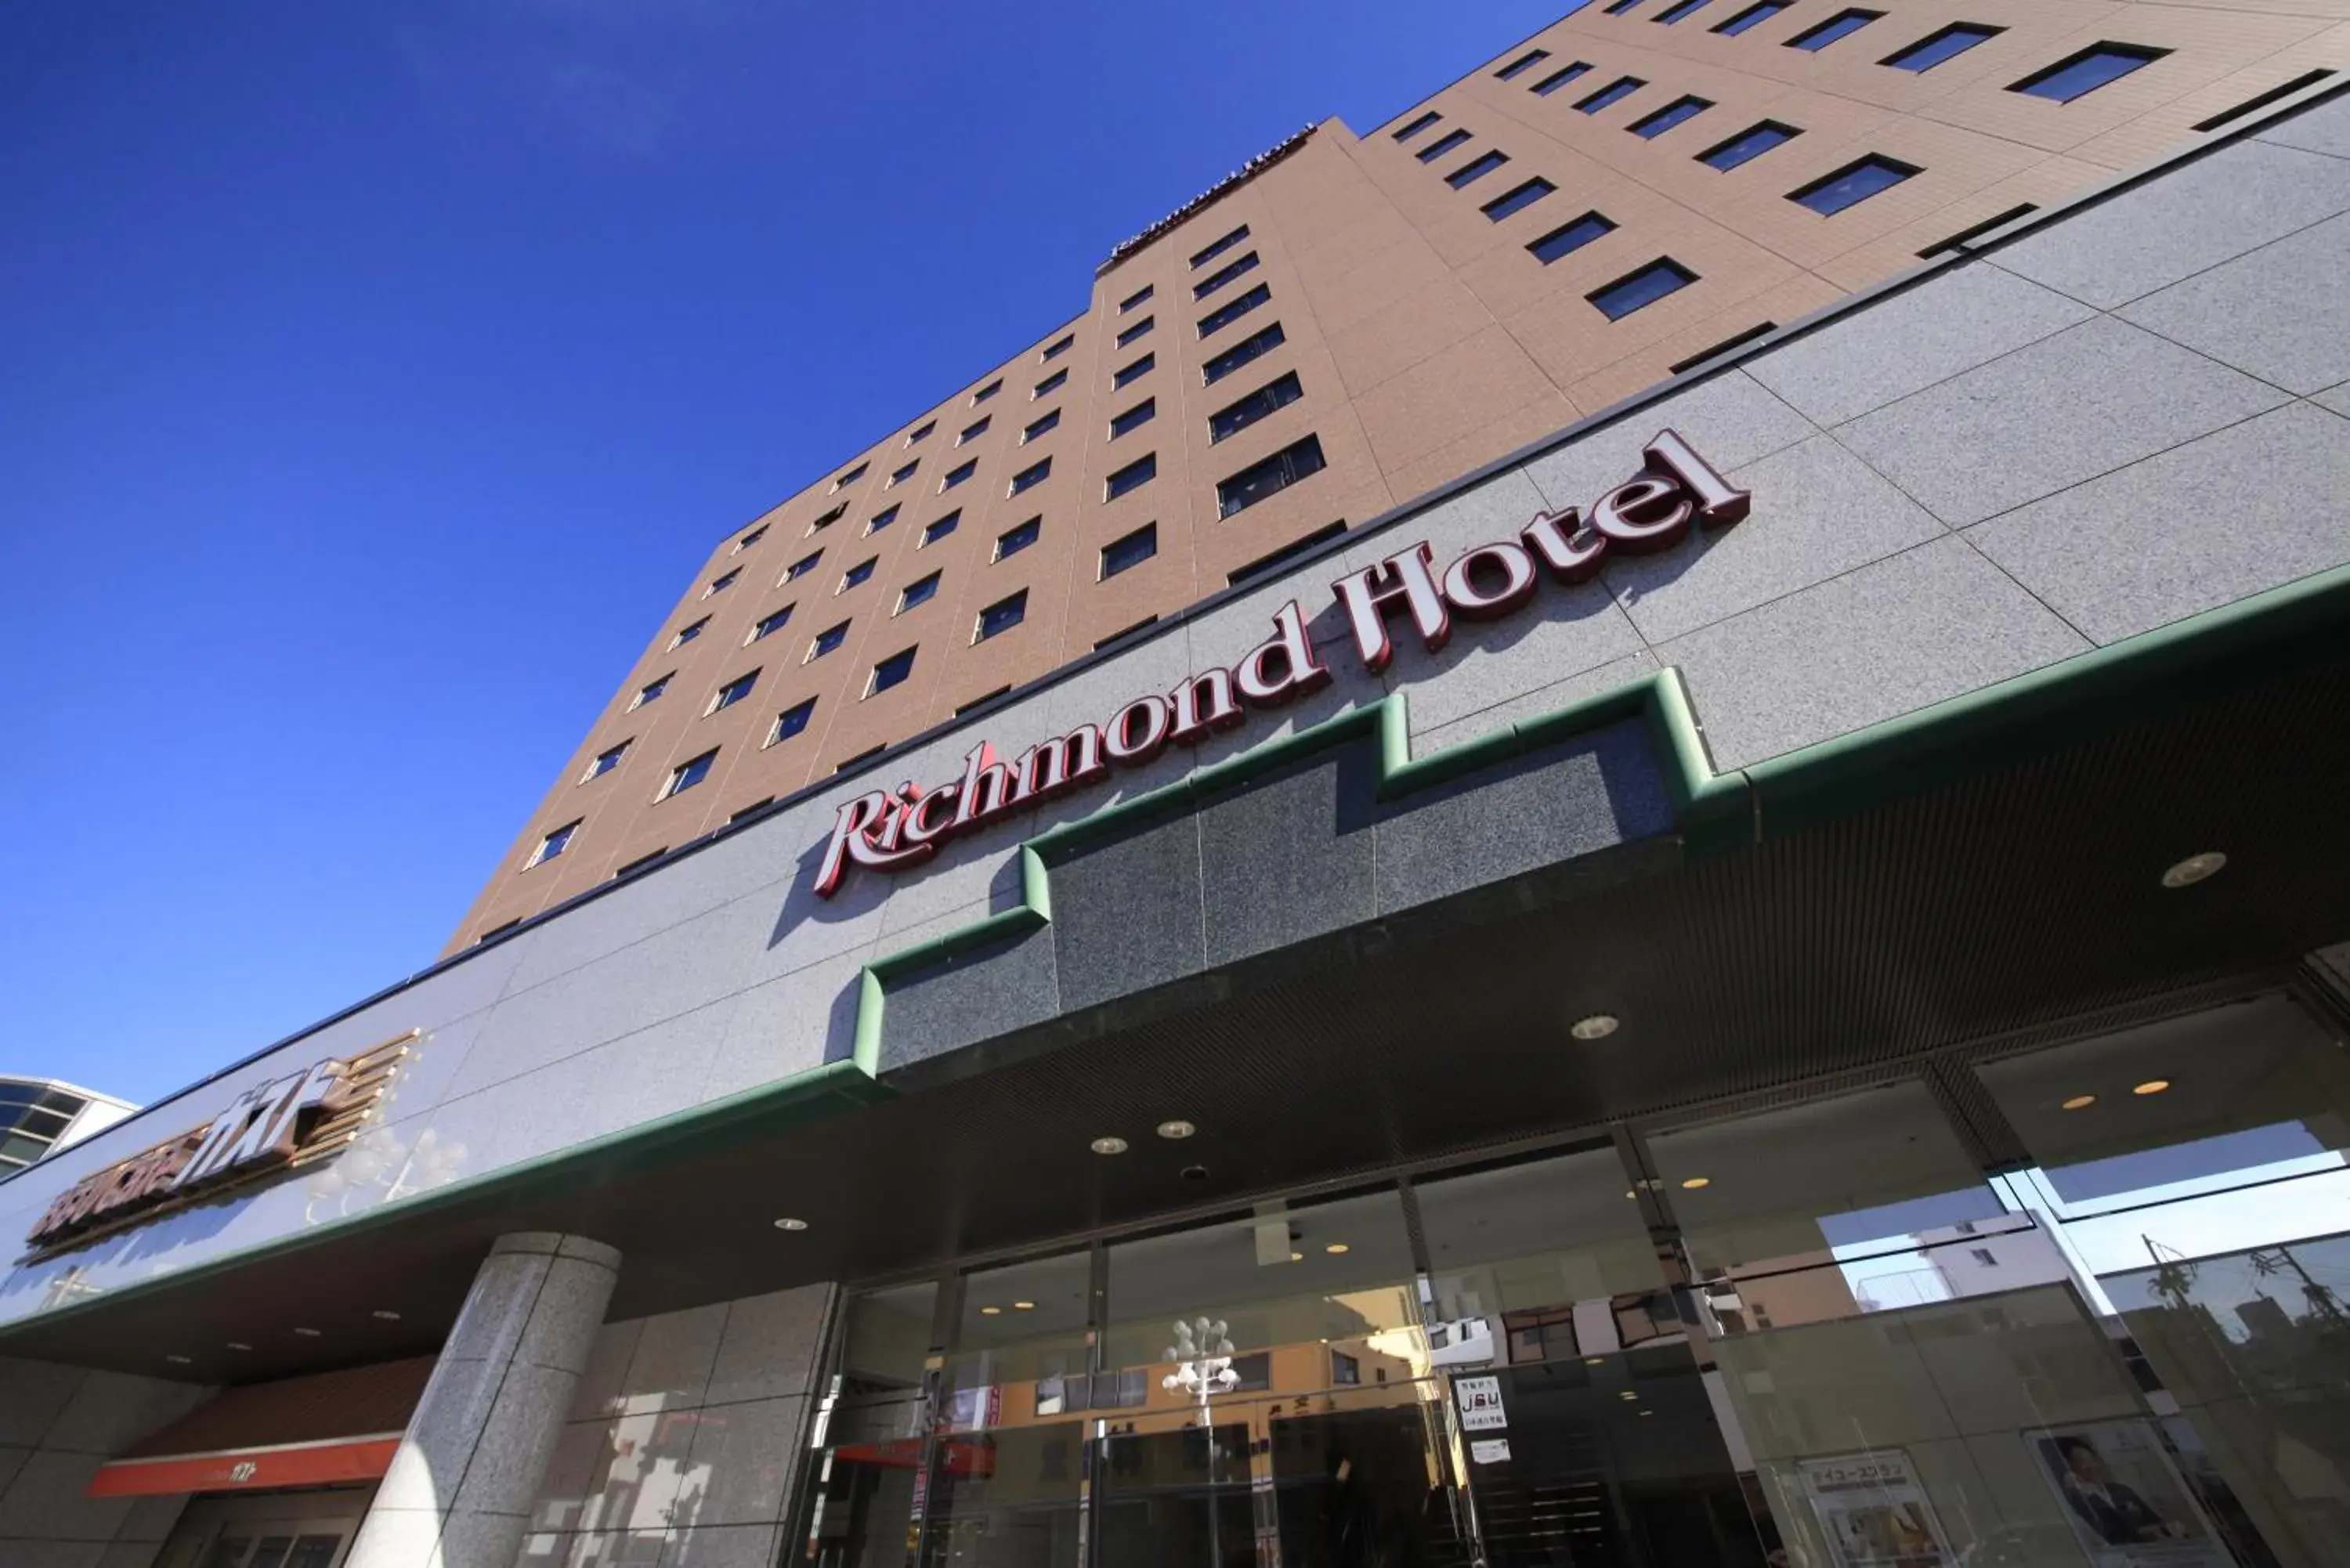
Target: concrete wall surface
{"points": [[58, 1425], [2137, 411]]}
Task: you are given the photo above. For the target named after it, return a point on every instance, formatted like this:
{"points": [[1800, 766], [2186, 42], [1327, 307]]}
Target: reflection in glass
{"points": [[2195, 1167], [1851, 1177], [1021, 1340], [1006, 1498], [888, 1338]]}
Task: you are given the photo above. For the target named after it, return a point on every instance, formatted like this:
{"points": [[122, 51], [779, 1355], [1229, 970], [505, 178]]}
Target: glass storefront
{"points": [[1821, 1335]]}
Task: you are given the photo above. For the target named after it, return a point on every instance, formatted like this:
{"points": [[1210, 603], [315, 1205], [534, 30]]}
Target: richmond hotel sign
{"points": [[1654, 510], [273, 1126]]}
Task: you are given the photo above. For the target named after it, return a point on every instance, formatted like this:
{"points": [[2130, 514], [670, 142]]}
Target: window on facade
{"points": [[643, 861], [734, 691], [1224, 275], [1256, 345], [1751, 15], [1843, 25], [1049, 385], [857, 573], [1620, 6], [828, 640], [606, 760], [957, 474], [1680, 110], [650, 692], [1030, 477], [1136, 297], [1058, 347], [828, 519], [851, 764], [1285, 554], [1011, 541], [1039, 425], [1132, 477], [1559, 78], [770, 624], [1236, 416], [1138, 329], [1134, 418], [791, 721], [890, 672], [921, 431], [1747, 144], [1934, 48], [1120, 634], [851, 477], [752, 537], [1133, 372], [1200, 257], [1570, 237], [974, 430], [1477, 168], [1681, 12], [802, 568], [1522, 64], [721, 583], [1441, 145], [939, 530], [918, 593], [2087, 71], [743, 814], [906, 473], [987, 392], [555, 843], [1001, 615], [1517, 199], [1853, 183], [687, 632], [882, 519], [688, 774], [1233, 309], [1270, 476], [1129, 550], [1616, 91], [1416, 125], [1638, 290]]}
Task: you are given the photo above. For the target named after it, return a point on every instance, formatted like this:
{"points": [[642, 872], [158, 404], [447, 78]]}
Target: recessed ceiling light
{"points": [[1598, 1026], [1023, 1306], [2194, 869], [1648, 1412], [1594, 1360], [386, 1313], [307, 1333], [1694, 1183], [1176, 1128], [2080, 1103], [991, 1312], [2152, 1087], [177, 1360], [1108, 1146], [791, 1222], [1335, 1247], [238, 1344], [1296, 1257], [1628, 1393]]}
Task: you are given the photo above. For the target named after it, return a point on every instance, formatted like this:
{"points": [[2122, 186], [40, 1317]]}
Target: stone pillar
{"points": [[460, 1492]]}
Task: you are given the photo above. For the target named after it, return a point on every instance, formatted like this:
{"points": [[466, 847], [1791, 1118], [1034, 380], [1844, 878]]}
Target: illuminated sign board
{"points": [[1675, 491], [276, 1125]]}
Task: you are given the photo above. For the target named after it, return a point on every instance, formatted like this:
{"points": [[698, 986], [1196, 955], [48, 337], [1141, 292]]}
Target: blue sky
{"points": [[372, 377]]}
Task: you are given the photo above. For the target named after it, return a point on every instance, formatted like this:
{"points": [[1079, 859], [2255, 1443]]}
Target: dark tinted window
{"points": [[1746, 144], [1059, 347], [1133, 476], [687, 775], [1517, 199], [1674, 113], [1616, 91], [1011, 541], [892, 670], [1523, 63], [1039, 425], [1031, 476], [918, 593], [1477, 168], [1255, 345], [2087, 71], [1932, 50], [1233, 309], [1569, 237], [1131, 550], [1134, 418], [1753, 14], [1136, 330], [1001, 615], [1682, 11], [1236, 416], [826, 640], [1223, 274], [1270, 476], [1136, 297], [1854, 183], [791, 721], [1559, 78], [941, 528], [1048, 386], [1418, 125], [1441, 145], [1641, 290], [1134, 371], [1212, 252], [1843, 25]]}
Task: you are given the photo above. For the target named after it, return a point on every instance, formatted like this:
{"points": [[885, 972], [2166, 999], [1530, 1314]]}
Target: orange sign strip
{"points": [[248, 1469]]}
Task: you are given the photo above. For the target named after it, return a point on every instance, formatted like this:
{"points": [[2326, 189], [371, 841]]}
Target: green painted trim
{"points": [[2106, 689], [1697, 793], [760, 1112]]}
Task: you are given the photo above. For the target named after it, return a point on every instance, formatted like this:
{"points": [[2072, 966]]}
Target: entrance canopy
{"points": [[341, 1426]]}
